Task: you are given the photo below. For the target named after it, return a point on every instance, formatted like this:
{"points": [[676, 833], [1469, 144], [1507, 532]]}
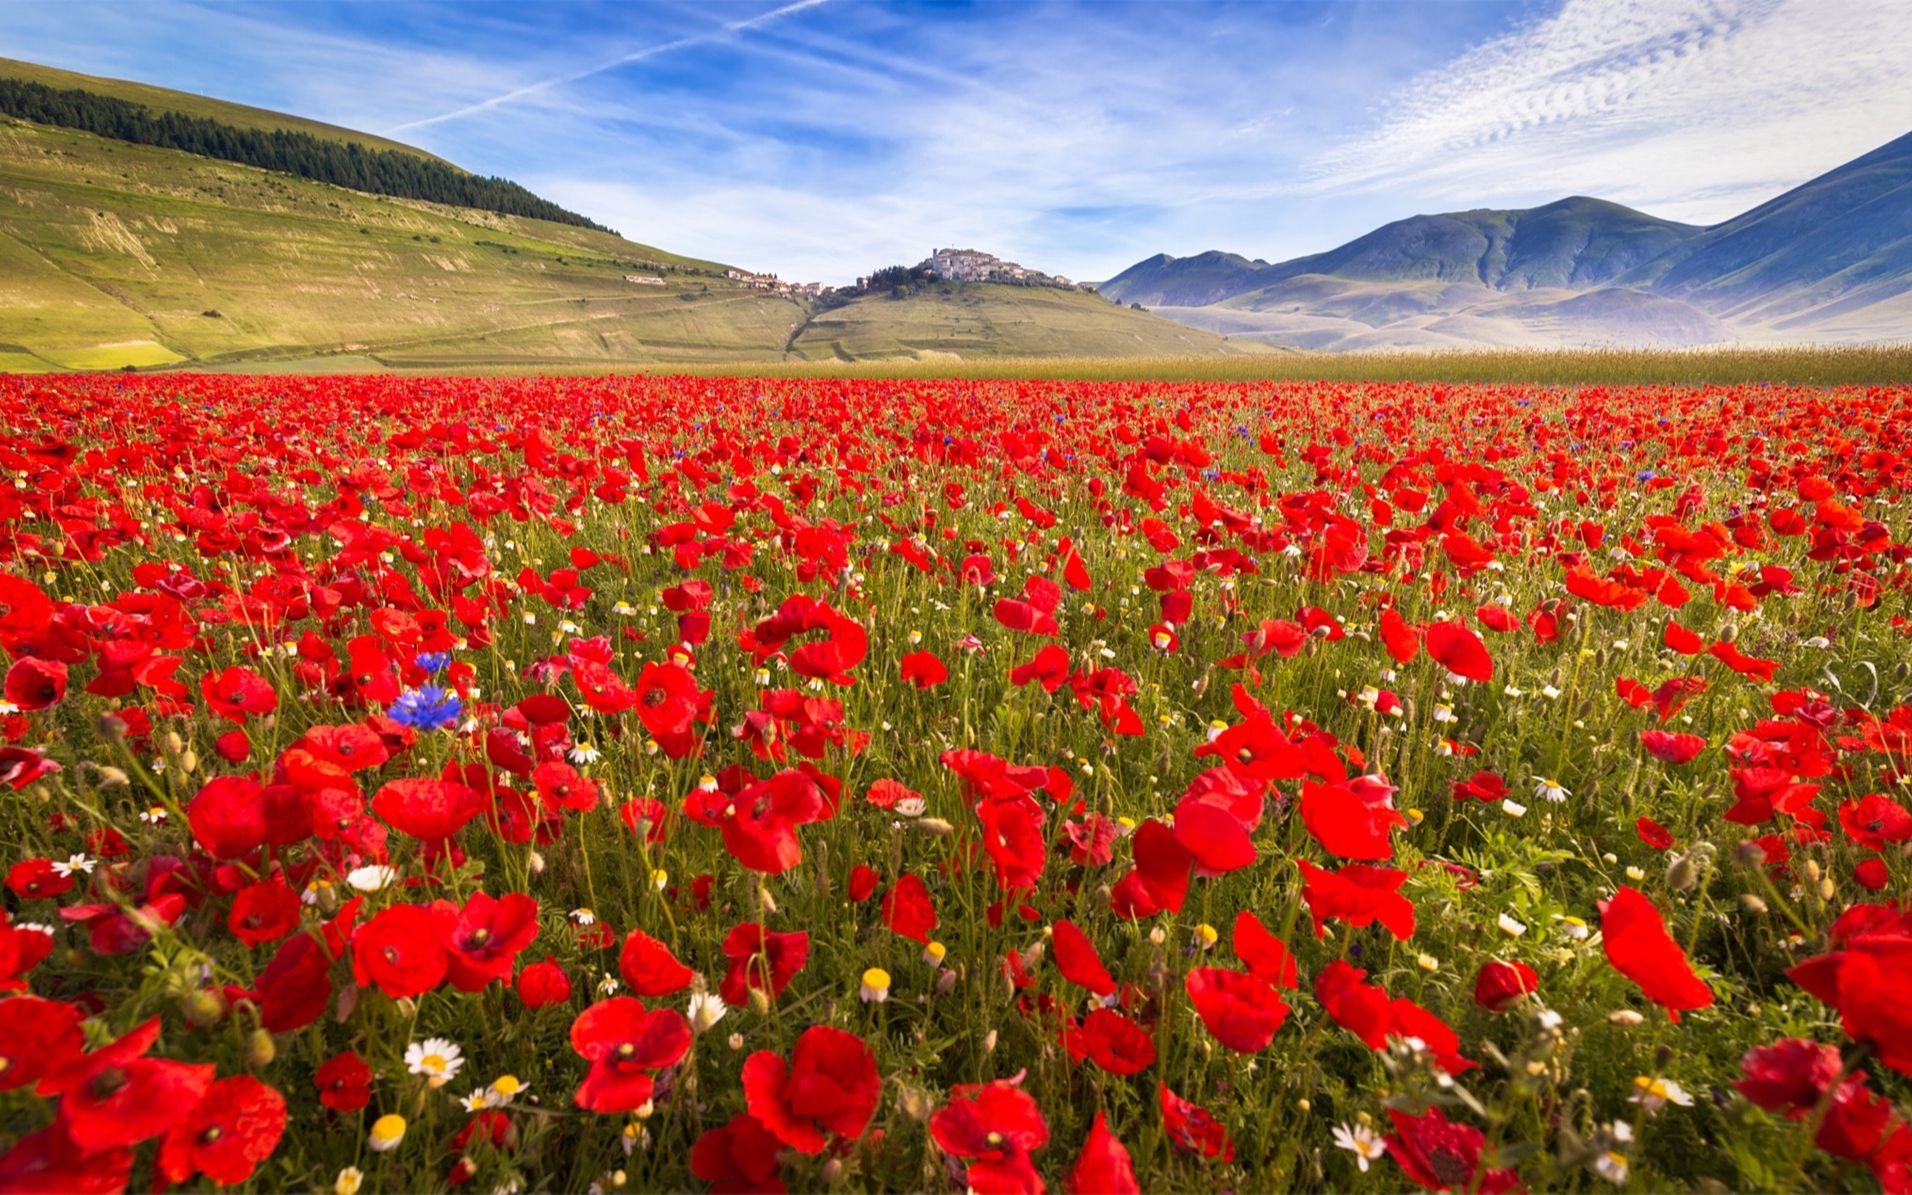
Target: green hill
{"points": [[115, 253], [971, 320]]}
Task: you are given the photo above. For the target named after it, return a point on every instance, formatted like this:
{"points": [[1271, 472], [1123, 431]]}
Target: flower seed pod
{"points": [[260, 1051], [1752, 903], [203, 1006], [1681, 874]]}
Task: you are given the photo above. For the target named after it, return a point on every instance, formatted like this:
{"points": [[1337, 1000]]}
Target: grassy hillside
{"points": [[950, 321], [161, 99], [114, 254]]}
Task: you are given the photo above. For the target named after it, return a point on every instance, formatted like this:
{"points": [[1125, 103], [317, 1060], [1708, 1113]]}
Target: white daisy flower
{"points": [[73, 863], [1363, 1142], [371, 878], [436, 1059]]}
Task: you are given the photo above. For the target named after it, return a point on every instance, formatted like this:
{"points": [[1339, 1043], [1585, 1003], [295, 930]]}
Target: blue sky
{"points": [[820, 138]]}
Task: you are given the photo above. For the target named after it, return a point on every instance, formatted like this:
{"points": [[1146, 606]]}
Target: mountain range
{"points": [[1828, 261]]}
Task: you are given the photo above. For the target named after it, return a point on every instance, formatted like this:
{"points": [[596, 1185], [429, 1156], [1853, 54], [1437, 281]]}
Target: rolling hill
{"points": [[117, 254], [964, 320], [1830, 260]]}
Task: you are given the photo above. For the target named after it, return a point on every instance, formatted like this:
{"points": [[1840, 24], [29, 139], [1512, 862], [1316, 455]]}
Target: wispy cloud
{"points": [[728, 29], [1694, 108]]}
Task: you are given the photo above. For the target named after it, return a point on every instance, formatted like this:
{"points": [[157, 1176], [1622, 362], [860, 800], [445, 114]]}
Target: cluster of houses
{"points": [[973, 265], [771, 282]]}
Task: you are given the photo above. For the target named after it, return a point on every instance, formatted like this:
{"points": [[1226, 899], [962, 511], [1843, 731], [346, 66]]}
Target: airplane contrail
{"points": [[722, 31]]}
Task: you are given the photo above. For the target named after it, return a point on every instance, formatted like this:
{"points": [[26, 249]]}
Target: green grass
{"points": [[1805, 365], [163, 99]]}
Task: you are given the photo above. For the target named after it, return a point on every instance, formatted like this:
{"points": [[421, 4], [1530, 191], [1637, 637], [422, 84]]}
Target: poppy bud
{"points": [[935, 825], [832, 1172], [189, 761], [1729, 633], [260, 1050], [203, 1006], [343, 1006], [759, 1001], [1751, 903], [328, 898], [1681, 874], [989, 1042]]}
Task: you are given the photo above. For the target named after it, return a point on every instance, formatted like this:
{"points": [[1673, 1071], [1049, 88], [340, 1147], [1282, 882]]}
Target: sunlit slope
{"points": [[114, 254]]}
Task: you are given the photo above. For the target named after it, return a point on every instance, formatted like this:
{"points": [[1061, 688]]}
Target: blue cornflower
{"points": [[432, 661], [429, 708]]}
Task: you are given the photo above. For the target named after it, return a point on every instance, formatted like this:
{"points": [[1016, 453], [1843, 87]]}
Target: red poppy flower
{"points": [[1359, 895], [907, 909], [560, 784], [263, 912], [49, 1161], [1460, 651], [1077, 958], [37, 1037], [1265, 955], [35, 879], [649, 968], [1354, 1004], [344, 1082], [1441, 1156], [924, 670], [1346, 824], [1481, 786], [1639, 947], [1876, 821], [427, 808], [36, 684], [625, 1045], [1191, 1127], [1215, 838], [1013, 838], [1111, 1041], [760, 823], [1790, 1076], [400, 951], [1672, 748], [1500, 983], [994, 1127], [228, 817], [737, 1158], [543, 983], [116, 1096], [830, 1085], [239, 693], [1048, 667], [236, 1125], [1241, 1010], [483, 938], [1103, 1167], [1653, 834], [761, 960]]}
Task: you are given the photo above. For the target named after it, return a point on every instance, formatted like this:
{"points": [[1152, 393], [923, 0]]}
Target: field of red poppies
{"points": [[750, 784]]}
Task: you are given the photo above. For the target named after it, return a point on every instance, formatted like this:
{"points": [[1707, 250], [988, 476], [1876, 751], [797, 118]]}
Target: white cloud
{"points": [[1691, 109]]}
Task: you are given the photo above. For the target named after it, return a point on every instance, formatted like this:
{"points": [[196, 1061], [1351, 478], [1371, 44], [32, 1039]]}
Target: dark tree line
{"points": [[342, 163]]}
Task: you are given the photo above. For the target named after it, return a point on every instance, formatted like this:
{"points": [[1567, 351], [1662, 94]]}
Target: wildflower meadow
{"points": [[811, 784]]}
